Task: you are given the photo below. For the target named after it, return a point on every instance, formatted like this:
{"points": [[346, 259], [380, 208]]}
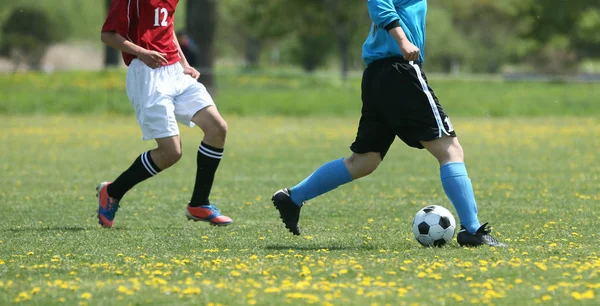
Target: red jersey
{"points": [[146, 23]]}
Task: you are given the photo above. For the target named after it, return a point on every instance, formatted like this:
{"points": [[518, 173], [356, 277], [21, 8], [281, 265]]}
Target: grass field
{"points": [[536, 180], [294, 94]]}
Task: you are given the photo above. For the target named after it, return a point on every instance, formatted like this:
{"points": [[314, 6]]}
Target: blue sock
{"points": [[326, 178], [459, 190]]}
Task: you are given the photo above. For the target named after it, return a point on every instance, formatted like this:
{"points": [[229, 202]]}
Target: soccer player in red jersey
{"points": [[163, 90]]}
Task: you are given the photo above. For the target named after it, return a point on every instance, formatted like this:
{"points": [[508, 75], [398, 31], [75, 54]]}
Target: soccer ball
{"points": [[434, 226]]}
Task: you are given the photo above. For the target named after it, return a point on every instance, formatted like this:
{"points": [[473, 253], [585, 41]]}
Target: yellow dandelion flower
{"points": [[541, 266], [588, 295], [24, 296], [86, 295], [191, 291], [546, 297]]}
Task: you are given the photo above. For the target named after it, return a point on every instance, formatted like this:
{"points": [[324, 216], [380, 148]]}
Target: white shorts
{"points": [[163, 96]]}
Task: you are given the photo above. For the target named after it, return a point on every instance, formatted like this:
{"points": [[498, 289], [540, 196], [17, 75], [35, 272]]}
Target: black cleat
{"points": [[481, 237], [289, 212]]}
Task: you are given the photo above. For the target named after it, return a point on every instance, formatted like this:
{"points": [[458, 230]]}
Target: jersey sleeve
{"points": [[117, 19], [382, 12]]}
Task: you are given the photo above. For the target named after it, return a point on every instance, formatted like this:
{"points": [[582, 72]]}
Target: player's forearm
{"points": [[118, 42], [183, 61], [397, 33]]}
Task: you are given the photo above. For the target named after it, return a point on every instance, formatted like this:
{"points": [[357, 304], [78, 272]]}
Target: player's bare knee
{"points": [[221, 130], [445, 149], [456, 152], [360, 165], [170, 156], [453, 153], [217, 131]]}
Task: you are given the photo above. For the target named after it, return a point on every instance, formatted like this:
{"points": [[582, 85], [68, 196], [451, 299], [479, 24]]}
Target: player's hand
{"points": [[191, 71], [410, 51], [153, 59]]}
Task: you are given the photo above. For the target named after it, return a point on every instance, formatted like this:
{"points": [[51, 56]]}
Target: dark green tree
{"points": [[563, 36], [27, 33], [255, 23], [345, 19], [201, 24]]}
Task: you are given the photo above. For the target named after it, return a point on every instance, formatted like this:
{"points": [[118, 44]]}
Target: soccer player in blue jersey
{"points": [[397, 102]]}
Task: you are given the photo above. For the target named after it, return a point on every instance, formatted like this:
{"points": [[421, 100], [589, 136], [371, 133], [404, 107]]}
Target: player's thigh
{"points": [[372, 135], [410, 106], [193, 99], [155, 112]]}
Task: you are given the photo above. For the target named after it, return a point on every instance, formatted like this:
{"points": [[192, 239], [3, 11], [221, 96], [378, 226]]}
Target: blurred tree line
{"points": [[480, 36], [483, 36]]}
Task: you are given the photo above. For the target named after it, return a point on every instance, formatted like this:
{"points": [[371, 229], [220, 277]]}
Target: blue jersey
{"points": [[411, 15]]}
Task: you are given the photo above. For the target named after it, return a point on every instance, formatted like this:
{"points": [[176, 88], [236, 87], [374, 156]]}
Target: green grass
{"points": [[293, 94], [536, 181]]}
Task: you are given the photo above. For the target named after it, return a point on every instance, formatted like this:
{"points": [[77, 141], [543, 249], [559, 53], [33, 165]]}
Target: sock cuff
{"points": [[210, 151], [453, 169], [149, 163]]}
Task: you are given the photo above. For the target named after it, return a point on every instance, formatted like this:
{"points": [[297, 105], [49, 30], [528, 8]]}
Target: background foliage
{"points": [[549, 36]]}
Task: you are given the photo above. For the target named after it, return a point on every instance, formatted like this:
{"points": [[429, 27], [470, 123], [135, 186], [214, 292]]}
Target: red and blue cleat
{"points": [[208, 213], [107, 206]]}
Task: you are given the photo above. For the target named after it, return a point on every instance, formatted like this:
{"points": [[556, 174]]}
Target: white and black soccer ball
{"points": [[434, 226]]}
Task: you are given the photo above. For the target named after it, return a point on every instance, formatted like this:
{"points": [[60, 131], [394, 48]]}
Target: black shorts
{"points": [[397, 101]]}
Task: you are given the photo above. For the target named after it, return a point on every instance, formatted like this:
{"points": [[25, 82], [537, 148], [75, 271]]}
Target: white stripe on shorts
{"points": [[436, 112]]}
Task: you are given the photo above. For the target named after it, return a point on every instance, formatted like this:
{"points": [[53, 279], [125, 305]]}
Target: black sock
{"points": [[208, 161], [142, 168]]}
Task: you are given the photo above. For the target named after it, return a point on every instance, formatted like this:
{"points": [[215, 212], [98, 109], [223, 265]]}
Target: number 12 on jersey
{"points": [[161, 12]]}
